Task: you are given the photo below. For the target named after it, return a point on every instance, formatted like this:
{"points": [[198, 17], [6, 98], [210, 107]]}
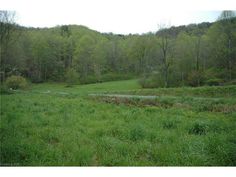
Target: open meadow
{"points": [[51, 124]]}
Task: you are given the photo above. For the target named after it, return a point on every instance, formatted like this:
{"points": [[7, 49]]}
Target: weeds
{"points": [[199, 128], [47, 129], [169, 124], [137, 132]]}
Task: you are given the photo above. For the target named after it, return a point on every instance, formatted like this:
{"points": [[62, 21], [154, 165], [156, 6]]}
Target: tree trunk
{"points": [[164, 47], [165, 68], [166, 77], [197, 60], [229, 59]]}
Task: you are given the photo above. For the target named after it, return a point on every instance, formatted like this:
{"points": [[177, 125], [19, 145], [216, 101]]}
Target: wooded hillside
{"points": [[195, 54]]}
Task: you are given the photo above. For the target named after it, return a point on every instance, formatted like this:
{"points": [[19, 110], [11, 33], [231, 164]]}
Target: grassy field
{"points": [[51, 124]]}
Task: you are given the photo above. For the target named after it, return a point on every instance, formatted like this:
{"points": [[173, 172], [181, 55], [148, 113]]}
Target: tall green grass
{"points": [[38, 128]]}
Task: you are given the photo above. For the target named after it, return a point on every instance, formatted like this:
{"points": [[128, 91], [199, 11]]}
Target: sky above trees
{"points": [[117, 16]]}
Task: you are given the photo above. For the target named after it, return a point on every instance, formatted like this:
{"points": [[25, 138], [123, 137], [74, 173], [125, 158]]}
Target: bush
{"points": [[214, 82], [16, 82], [147, 83], [115, 76], [195, 78], [105, 78], [72, 77], [88, 80], [232, 82], [4, 90], [151, 80], [212, 73], [36, 77]]}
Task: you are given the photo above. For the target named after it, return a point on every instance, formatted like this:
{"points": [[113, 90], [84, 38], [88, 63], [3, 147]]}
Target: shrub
{"points": [[214, 82], [88, 79], [195, 78], [72, 77], [105, 78], [232, 82], [151, 80], [147, 83], [115, 76], [16, 82], [4, 90], [212, 73], [36, 76]]}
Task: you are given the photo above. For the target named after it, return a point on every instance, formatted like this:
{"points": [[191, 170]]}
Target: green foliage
{"points": [[232, 82], [147, 83], [137, 132], [55, 125], [204, 91], [214, 82], [46, 54], [46, 127], [195, 78], [212, 73], [115, 76], [4, 89], [16, 82], [198, 128], [152, 80], [213, 77], [105, 78], [71, 77], [169, 124]]}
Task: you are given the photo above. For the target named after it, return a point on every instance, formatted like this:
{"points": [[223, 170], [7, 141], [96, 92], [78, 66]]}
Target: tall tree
{"points": [[7, 27], [222, 41], [84, 57], [165, 47], [67, 46], [226, 20]]}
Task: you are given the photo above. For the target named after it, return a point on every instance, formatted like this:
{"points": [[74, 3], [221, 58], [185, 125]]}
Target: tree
{"points": [[67, 47], [197, 51], [165, 47], [222, 42], [172, 55], [227, 23], [72, 77], [139, 53], [7, 27], [226, 15], [100, 55], [113, 55], [184, 56], [83, 57]]}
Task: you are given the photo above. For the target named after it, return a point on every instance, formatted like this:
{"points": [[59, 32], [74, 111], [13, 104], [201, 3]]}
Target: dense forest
{"points": [[196, 54]]}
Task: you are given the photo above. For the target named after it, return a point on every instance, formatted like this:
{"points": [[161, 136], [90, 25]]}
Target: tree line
{"points": [[193, 55]]}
